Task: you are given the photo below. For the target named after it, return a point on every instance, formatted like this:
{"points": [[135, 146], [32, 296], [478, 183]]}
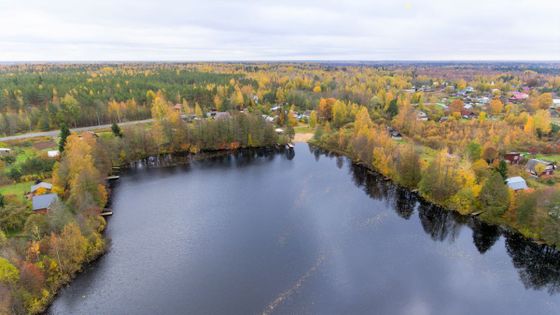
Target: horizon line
{"points": [[85, 61]]}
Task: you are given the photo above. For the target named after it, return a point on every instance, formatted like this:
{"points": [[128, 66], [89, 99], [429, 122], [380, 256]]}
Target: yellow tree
{"points": [[237, 98], [76, 175], [160, 113], [159, 106], [114, 109], [197, 110], [496, 106], [339, 113], [218, 102], [313, 119], [530, 126], [186, 107], [542, 121], [362, 122], [545, 100]]}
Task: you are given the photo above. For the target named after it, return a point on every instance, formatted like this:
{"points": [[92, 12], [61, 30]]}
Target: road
{"points": [[54, 133]]}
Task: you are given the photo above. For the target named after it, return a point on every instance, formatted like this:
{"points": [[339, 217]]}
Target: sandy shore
{"points": [[302, 137]]}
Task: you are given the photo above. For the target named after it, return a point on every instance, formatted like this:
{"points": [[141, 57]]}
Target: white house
{"points": [[53, 153], [517, 183], [420, 115]]}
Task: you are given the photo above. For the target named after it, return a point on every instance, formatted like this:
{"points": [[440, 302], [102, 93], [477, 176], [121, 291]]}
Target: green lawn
{"points": [[18, 189], [548, 157], [428, 153], [303, 129]]}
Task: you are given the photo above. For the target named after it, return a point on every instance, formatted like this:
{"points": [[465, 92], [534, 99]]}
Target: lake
{"points": [[301, 233]]}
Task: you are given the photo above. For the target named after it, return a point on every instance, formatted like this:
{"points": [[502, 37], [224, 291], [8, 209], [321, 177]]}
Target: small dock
{"points": [[106, 213], [290, 146], [113, 177]]}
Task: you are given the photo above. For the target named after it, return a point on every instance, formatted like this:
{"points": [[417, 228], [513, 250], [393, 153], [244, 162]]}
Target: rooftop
{"points": [[44, 201], [44, 185], [517, 183]]}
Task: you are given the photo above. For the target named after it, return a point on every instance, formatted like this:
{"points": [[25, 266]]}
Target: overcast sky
{"points": [[184, 30]]}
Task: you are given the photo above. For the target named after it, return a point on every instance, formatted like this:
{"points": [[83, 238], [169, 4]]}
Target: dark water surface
{"points": [[310, 234]]}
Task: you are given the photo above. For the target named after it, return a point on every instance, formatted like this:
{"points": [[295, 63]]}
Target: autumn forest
{"points": [[481, 139]]}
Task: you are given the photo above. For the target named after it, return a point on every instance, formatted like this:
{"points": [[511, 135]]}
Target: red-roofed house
{"points": [[518, 96]]}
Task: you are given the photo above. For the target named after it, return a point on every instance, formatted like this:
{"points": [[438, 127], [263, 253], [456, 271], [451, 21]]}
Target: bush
{"points": [[13, 217]]}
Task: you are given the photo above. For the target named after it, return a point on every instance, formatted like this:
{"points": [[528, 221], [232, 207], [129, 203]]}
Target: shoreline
{"points": [[475, 215], [303, 137], [191, 157]]}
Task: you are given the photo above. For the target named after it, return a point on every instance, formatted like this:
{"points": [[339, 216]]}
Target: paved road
{"points": [[56, 132]]}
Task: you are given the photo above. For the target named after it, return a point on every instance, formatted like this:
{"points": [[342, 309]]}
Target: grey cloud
{"points": [[269, 30]]}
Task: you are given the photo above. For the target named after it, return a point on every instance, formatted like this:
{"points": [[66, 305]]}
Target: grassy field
{"points": [[548, 157], [303, 129], [18, 189]]}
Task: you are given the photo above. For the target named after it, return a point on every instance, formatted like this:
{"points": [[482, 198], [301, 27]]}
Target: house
{"points": [[267, 118], [178, 108], [517, 183], [420, 115], [46, 187], [218, 115], [467, 114], [5, 151], [483, 100], [518, 96], [189, 118], [443, 106], [42, 203], [555, 103], [512, 157], [394, 133], [467, 90], [53, 153], [539, 167], [279, 131]]}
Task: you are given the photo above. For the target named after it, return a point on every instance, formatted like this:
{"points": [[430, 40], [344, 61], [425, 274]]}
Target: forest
{"points": [[444, 131]]}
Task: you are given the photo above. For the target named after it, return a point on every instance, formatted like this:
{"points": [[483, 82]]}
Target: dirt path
{"points": [[54, 133]]}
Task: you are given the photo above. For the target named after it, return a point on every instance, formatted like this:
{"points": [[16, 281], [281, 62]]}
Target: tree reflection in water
{"points": [[538, 265]]}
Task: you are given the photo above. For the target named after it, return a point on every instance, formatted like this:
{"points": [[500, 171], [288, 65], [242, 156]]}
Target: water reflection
{"points": [[238, 158], [484, 235], [538, 265]]}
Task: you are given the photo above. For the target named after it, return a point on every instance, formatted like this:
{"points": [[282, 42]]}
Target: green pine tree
{"points": [[503, 169], [64, 133], [116, 130]]}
